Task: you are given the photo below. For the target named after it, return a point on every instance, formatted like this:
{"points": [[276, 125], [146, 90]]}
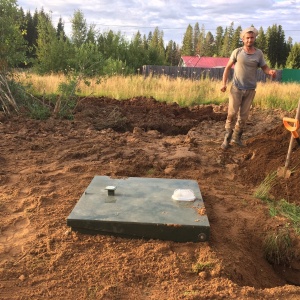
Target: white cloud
{"points": [[173, 17]]}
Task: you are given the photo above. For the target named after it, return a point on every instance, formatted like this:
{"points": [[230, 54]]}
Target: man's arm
{"points": [[269, 71], [225, 74]]}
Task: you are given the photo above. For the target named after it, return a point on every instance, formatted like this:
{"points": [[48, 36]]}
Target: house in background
{"points": [[197, 67], [203, 62]]}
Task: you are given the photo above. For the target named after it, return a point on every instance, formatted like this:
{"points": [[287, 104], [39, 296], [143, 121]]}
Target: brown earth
{"points": [[46, 166]]}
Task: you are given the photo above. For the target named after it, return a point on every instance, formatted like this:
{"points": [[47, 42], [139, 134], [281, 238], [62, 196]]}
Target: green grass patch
{"points": [[291, 211], [278, 247], [263, 190], [282, 208], [202, 266]]}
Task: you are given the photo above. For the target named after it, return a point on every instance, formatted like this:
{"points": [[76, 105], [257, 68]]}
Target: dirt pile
{"points": [[46, 165]]}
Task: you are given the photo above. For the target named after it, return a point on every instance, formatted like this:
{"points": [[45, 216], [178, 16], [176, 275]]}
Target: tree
{"points": [[277, 49], [201, 46], [79, 28], [236, 39], [196, 36], [219, 41], [112, 45], [88, 60], [31, 34], [52, 52], [137, 54], [209, 43], [12, 43], [282, 48], [145, 42], [187, 43], [156, 48], [172, 54], [60, 30], [227, 42], [91, 34], [293, 60], [261, 40]]}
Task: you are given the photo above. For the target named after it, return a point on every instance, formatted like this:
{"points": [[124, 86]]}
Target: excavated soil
{"points": [[47, 165]]}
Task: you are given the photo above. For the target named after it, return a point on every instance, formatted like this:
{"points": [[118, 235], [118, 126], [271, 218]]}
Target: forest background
{"points": [[32, 44], [32, 41]]}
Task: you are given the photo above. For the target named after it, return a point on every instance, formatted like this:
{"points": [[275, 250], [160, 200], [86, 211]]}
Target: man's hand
{"points": [[272, 73], [223, 89]]}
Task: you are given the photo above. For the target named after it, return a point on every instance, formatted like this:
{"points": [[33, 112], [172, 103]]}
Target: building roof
{"points": [[203, 62]]}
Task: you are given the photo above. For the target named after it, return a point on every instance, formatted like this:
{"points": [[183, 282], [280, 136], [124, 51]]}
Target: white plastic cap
{"points": [[183, 195]]}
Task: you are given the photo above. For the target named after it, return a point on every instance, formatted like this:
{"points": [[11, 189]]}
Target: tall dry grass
{"points": [[183, 91]]}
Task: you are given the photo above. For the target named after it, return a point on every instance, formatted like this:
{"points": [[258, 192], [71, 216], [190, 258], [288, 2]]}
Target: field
{"points": [[46, 166]]}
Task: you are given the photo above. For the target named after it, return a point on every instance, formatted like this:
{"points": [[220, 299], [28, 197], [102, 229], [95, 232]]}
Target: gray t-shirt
{"points": [[245, 67]]}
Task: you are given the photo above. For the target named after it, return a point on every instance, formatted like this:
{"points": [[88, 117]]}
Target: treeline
{"points": [[31, 40], [279, 52]]}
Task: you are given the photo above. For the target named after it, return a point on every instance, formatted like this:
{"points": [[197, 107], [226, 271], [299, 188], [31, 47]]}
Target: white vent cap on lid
{"points": [[183, 195]]}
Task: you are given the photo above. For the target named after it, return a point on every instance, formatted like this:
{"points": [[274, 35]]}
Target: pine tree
{"points": [[156, 48], [137, 54], [187, 43], [277, 49], [218, 41], [227, 41], [236, 39], [282, 48], [209, 43], [196, 36], [293, 60], [172, 54], [60, 30], [260, 41], [226, 44], [201, 46]]}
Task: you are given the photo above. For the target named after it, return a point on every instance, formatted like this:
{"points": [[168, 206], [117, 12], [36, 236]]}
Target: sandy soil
{"points": [[46, 166]]}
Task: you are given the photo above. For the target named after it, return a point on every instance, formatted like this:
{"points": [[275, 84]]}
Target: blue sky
{"points": [[173, 17]]}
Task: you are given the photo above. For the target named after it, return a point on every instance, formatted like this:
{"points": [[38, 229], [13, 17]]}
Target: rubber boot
{"points": [[227, 139], [236, 138]]}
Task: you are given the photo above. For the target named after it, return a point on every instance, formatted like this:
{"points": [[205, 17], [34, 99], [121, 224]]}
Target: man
{"points": [[246, 61]]}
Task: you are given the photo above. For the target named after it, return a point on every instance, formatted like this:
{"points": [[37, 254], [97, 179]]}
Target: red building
{"points": [[203, 62]]}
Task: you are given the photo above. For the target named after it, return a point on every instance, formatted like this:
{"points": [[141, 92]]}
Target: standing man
{"points": [[246, 61]]}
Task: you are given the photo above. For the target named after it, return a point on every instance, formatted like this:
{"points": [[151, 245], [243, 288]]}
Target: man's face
{"points": [[249, 39]]}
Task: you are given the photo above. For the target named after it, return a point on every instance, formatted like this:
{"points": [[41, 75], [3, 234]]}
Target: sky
{"points": [[172, 17]]}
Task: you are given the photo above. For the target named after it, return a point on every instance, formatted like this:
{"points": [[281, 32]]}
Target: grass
{"points": [[278, 208], [290, 211], [202, 266], [263, 190], [278, 245], [185, 92], [278, 248]]}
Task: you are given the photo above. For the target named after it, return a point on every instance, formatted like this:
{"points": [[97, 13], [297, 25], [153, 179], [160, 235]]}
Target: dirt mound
{"points": [[46, 165], [267, 153], [146, 114]]}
